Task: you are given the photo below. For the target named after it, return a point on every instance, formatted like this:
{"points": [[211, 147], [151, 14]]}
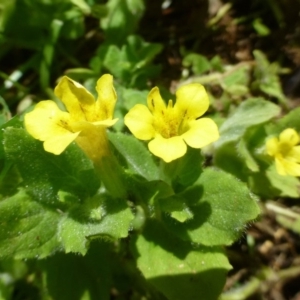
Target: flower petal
{"points": [[289, 136], [139, 120], [285, 167], [280, 167], [294, 154], [79, 102], [191, 101], [155, 102], [272, 146], [93, 141], [47, 120], [202, 132], [107, 97], [58, 143], [168, 149], [106, 123]]}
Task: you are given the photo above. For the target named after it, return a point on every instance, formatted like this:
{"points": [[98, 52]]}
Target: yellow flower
{"points": [[172, 128], [286, 152], [84, 122]]}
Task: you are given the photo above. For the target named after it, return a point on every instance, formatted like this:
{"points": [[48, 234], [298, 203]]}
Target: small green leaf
{"points": [[27, 228], [121, 19], [251, 112], [131, 97], [290, 120], [217, 64], [137, 158], [237, 81], [185, 170], [197, 62], [176, 206], [260, 27], [247, 156], [115, 61], [5, 114], [82, 5], [288, 186], [130, 63], [176, 268], [71, 276], [222, 206], [76, 229], [267, 79], [43, 173], [228, 159]]}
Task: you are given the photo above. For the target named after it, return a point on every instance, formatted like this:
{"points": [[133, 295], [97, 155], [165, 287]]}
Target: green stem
{"points": [[94, 142]]}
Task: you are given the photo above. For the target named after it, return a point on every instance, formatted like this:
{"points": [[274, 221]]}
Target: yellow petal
{"points": [[155, 102], [202, 132], [58, 143], [191, 101], [139, 120], [289, 136], [106, 123], [272, 146], [168, 149], [280, 167], [47, 120], [294, 154], [107, 98], [285, 167], [93, 141], [79, 102]]}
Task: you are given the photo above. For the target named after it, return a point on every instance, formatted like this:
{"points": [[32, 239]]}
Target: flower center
{"points": [[285, 148], [169, 122]]}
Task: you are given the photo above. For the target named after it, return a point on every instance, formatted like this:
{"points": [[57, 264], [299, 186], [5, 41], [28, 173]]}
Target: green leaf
{"points": [[121, 20], [76, 229], [260, 27], [131, 62], [27, 228], [176, 268], [16, 28], [247, 156], [138, 159], [115, 61], [217, 64], [267, 79], [131, 97], [177, 208], [48, 52], [141, 52], [222, 206], [184, 171], [147, 192], [251, 112], [31, 229], [290, 120], [236, 82], [13, 122], [268, 183], [82, 5], [73, 276], [197, 62], [5, 114], [288, 186], [230, 160], [43, 173]]}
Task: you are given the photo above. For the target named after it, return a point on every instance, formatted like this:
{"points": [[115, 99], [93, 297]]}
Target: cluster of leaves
{"points": [[166, 238]]}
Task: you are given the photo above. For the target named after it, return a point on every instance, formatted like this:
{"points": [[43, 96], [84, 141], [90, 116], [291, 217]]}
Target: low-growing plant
{"points": [[76, 189]]}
